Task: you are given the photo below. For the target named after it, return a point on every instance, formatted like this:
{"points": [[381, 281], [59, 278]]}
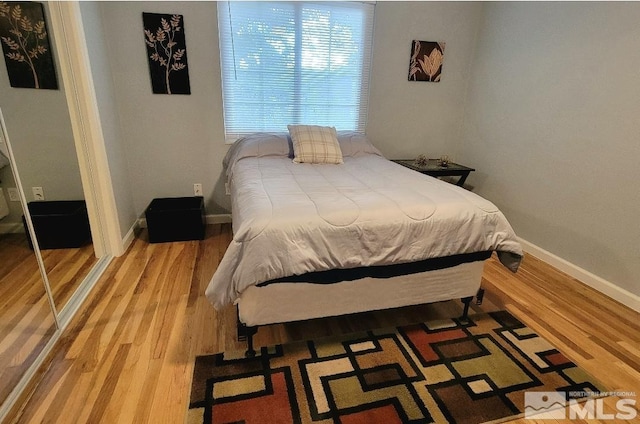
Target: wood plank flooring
{"points": [[26, 320], [66, 270], [128, 355]]}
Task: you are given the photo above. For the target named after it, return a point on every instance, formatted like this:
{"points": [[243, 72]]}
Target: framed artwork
{"points": [[166, 53], [426, 60], [26, 47]]}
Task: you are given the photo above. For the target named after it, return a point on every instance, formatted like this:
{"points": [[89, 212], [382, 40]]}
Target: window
{"points": [[294, 63]]}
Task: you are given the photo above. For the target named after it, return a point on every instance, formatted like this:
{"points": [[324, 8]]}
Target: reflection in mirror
{"points": [[26, 318], [42, 143], [66, 263]]}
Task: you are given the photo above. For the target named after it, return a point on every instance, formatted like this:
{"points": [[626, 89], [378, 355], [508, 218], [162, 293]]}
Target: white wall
{"points": [[552, 126], [171, 141], [98, 38], [174, 141], [408, 118]]}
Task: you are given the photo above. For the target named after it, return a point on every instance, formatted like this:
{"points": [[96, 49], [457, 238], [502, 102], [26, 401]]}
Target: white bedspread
{"points": [[290, 219]]}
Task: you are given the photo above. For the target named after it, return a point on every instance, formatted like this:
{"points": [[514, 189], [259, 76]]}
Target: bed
{"points": [[313, 240]]}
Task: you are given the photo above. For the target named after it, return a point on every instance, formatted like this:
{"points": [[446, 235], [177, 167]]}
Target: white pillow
{"points": [[315, 144], [354, 144], [257, 145]]}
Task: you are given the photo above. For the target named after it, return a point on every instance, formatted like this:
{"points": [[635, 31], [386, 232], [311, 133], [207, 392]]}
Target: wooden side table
{"points": [[432, 168]]}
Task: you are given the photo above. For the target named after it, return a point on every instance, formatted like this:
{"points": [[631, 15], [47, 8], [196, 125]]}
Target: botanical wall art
{"points": [[167, 53], [25, 44], [426, 61]]}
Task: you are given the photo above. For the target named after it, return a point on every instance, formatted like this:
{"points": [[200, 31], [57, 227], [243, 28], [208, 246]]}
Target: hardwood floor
{"points": [[128, 355], [26, 320], [66, 270]]}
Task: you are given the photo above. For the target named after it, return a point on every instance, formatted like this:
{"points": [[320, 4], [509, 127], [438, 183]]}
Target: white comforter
{"points": [[290, 219]]}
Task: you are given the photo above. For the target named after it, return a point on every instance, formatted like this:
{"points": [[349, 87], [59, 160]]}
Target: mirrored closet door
{"points": [[41, 138], [47, 254], [27, 321], [43, 146]]}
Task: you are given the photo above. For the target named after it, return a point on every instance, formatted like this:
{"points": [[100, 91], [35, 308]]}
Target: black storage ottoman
{"points": [[175, 219], [60, 224]]}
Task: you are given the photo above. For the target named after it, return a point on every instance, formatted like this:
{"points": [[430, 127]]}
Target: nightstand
{"points": [[432, 168]]}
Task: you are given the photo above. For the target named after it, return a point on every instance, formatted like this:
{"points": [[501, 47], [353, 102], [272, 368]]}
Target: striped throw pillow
{"points": [[315, 144]]}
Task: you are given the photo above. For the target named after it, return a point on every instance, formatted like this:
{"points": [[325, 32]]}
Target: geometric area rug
{"points": [[444, 371]]}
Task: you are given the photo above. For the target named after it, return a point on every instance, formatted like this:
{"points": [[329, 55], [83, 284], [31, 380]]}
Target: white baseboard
{"points": [[605, 287], [130, 236], [221, 218]]}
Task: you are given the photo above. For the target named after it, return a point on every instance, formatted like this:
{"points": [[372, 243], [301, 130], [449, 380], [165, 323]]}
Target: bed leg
{"points": [[465, 312], [246, 333], [250, 353]]}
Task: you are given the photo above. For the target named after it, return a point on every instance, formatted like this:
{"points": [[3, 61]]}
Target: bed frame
{"points": [[299, 300], [476, 223], [246, 333]]}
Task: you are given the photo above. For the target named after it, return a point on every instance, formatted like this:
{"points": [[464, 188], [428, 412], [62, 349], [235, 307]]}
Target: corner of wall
{"points": [[461, 136], [128, 238]]}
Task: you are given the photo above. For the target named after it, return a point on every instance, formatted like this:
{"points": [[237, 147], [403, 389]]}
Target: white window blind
{"points": [[294, 63]]}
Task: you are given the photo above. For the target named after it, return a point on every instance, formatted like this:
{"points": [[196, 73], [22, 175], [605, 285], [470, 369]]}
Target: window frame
{"points": [[366, 50]]}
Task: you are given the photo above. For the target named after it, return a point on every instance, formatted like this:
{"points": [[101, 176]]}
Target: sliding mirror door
{"points": [[27, 321], [42, 142], [48, 260]]}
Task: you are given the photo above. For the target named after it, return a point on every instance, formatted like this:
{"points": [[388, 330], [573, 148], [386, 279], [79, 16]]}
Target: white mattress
{"points": [[287, 302], [291, 219]]}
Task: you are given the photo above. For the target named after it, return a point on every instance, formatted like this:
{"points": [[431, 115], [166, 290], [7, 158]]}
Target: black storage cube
{"points": [[175, 219], [60, 224]]}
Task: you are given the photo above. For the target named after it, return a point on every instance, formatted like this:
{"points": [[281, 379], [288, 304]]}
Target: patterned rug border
{"points": [[466, 354]]}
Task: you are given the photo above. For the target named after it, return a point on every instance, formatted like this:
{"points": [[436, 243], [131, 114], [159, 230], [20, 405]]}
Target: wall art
{"points": [[25, 44], [167, 53], [426, 61]]}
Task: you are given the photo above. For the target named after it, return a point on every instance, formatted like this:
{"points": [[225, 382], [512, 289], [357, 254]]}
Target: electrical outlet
{"points": [[14, 196], [226, 189], [38, 194], [197, 189]]}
